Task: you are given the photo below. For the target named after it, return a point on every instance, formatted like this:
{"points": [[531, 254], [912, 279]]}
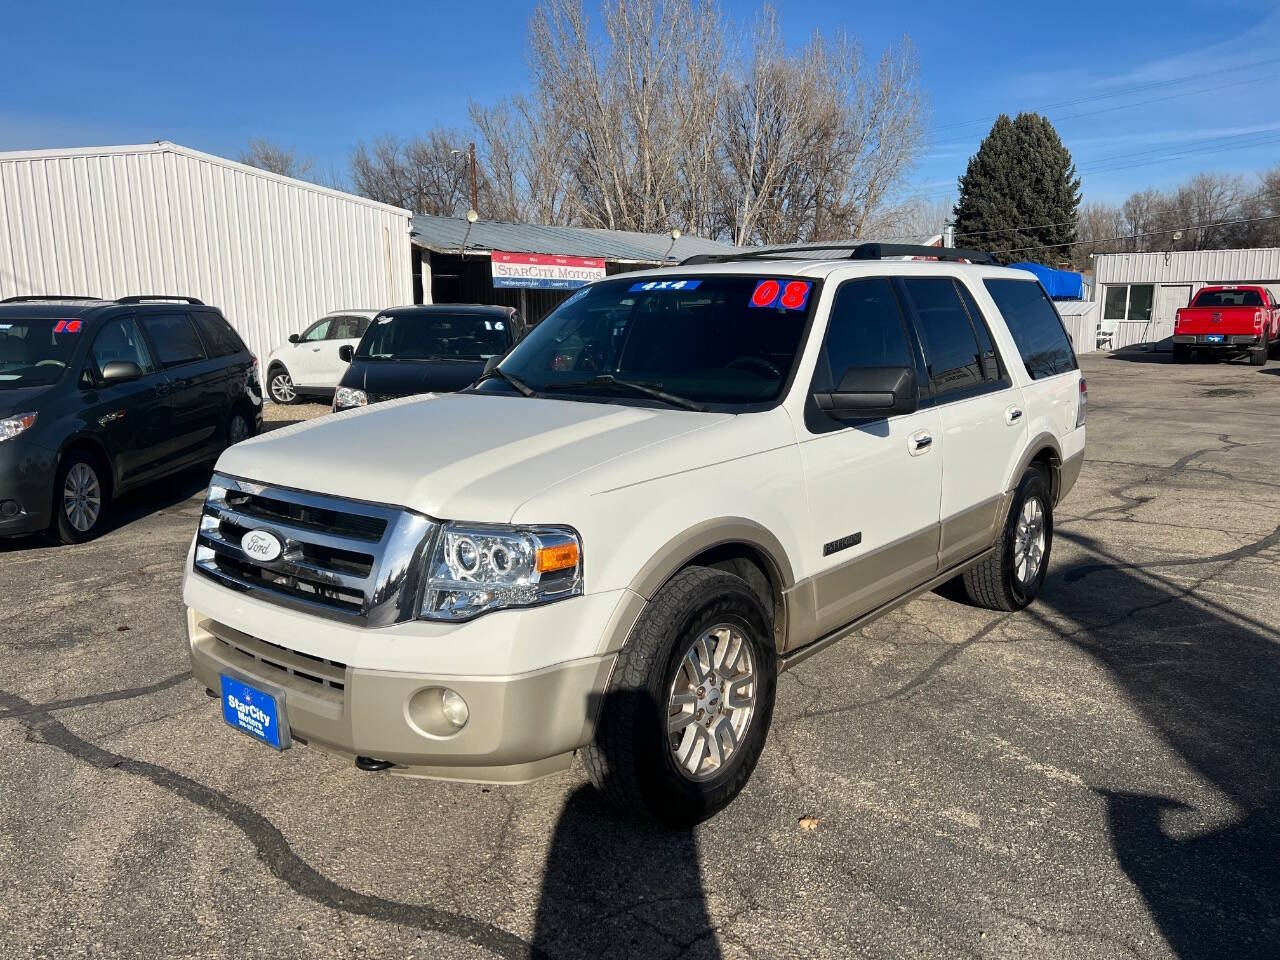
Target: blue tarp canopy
{"points": [[1060, 284]]}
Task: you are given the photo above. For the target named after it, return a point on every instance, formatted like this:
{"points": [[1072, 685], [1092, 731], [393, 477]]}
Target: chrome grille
{"points": [[344, 559]]}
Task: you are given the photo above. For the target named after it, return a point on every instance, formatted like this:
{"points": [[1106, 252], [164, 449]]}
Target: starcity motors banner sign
{"points": [[544, 271]]}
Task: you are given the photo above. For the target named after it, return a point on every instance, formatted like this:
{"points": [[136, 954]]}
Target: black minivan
{"points": [[98, 396], [429, 348]]}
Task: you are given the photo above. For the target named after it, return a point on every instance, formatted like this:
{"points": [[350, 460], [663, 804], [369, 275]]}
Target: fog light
{"points": [[9, 509], [454, 708]]}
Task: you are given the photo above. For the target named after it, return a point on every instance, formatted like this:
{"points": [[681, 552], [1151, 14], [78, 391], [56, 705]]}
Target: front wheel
{"points": [[1012, 575], [280, 386], [79, 498], [688, 708]]}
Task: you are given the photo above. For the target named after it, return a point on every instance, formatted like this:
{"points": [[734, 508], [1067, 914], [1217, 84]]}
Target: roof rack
{"points": [[46, 298], [160, 298], [857, 251]]}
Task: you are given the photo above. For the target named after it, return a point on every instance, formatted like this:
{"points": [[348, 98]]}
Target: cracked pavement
{"points": [[1096, 776]]}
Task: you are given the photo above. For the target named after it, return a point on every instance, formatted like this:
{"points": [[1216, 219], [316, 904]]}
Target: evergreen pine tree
{"points": [[1020, 196]]}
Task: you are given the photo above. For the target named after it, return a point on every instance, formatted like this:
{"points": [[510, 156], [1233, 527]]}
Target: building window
{"points": [[1130, 302]]}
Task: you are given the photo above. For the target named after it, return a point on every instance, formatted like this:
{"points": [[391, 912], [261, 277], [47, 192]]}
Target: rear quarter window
{"points": [[1036, 328], [219, 339]]}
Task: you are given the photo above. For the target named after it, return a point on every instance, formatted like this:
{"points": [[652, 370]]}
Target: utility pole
{"points": [[475, 192]]}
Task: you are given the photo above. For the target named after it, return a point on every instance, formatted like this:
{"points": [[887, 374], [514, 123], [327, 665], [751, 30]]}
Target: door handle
{"points": [[315, 349], [920, 442], [1013, 415]]}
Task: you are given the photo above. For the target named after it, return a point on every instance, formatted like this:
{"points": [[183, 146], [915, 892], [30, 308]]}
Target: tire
{"points": [[239, 427], [995, 582], [632, 759], [1258, 356], [1181, 353], [81, 495], [280, 386]]}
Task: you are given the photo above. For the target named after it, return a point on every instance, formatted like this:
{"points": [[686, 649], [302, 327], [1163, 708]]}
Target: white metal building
{"points": [[1139, 292], [272, 252]]}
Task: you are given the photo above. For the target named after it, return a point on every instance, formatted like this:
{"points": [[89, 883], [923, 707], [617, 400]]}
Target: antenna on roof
{"points": [[675, 235], [472, 217]]}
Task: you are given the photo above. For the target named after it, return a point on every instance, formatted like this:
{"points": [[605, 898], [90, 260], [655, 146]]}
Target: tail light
{"points": [[1083, 406], [1257, 321]]}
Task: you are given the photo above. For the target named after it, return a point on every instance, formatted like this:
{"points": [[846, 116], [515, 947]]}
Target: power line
{"points": [[1149, 233], [1138, 103], [1017, 228], [1138, 88]]}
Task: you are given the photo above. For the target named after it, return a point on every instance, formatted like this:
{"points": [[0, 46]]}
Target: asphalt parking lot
{"points": [[1094, 777]]}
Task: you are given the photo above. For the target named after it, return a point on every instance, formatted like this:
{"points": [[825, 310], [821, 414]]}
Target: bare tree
{"points": [[265, 155], [652, 120], [428, 174]]}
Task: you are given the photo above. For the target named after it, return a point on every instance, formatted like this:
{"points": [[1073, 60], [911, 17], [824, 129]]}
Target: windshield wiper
{"points": [[510, 378], [609, 380]]}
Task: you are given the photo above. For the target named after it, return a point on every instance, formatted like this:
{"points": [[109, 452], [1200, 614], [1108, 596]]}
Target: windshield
{"points": [[34, 353], [721, 339], [434, 336]]}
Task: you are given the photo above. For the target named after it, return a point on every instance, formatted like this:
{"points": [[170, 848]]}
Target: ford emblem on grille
{"points": [[261, 546]]}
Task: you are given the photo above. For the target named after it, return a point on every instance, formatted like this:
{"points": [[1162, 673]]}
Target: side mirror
{"points": [[346, 352], [871, 393], [491, 363], [120, 371], [295, 338]]}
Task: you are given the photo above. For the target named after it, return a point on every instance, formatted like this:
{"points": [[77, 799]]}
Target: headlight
{"points": [[347, 397], [476, 568], [12, 426]]}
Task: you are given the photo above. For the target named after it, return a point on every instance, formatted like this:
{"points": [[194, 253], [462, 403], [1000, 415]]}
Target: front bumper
{"points": [[26, 478], [374, 692]]}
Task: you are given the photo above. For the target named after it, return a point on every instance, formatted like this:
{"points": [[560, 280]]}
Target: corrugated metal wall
{"points": [[272, 253], [1191, 266]]}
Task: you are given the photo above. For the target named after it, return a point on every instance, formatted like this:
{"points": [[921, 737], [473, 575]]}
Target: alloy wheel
{"points": [[282, 388], [239, 429], [82, 497], [1029, 541], [711, 701]]}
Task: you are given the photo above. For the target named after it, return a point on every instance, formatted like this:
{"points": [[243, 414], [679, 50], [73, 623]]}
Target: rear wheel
{"points": [[1181, 353], [280, 386], [239, 427], [80, 497], [1013, 574], [1258, 356], [688, 708]]}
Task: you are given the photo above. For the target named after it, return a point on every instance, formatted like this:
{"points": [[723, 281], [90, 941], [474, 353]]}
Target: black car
{"points": [[436, 348], [99, 396]]}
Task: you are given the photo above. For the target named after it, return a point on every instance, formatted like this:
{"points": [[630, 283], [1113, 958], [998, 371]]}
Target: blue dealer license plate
{"points": [[1213, 338], [255, 712]]}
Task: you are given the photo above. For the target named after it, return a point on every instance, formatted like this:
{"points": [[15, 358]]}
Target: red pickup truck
{"points": [[1228, 319]]}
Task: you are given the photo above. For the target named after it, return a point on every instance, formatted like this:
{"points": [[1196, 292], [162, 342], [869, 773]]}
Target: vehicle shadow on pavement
{"points": [[1207, 679], [617, 886]]}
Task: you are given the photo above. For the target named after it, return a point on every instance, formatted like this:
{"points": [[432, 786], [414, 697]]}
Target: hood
{"points": [[402, 378], [455, 456], [21, 399]]}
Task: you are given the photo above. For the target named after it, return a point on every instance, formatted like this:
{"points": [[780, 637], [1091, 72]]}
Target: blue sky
{"points": [[1161, 90]]}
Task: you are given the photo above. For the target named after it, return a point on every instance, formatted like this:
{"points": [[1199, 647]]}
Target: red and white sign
{"points": [[546, 271]]}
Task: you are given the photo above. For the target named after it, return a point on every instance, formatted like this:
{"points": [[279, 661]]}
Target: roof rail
{"points": [[159, 298], [883, 251], [857, 251], [45, 298]]}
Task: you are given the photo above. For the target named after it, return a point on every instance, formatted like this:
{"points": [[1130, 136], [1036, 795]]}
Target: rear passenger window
{"points": [[993, 369], [219, 338], [1036, 328], [347, 328], [951, 347], [175, 338], [866, 329]]}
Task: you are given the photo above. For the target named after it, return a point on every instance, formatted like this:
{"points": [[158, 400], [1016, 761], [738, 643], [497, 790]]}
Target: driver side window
{"points": [[866, 329], [119, 339], [317, 332]]}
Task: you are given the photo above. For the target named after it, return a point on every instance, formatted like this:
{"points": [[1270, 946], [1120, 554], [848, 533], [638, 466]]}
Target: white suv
{"points": [[679, 484], [310, 363]]}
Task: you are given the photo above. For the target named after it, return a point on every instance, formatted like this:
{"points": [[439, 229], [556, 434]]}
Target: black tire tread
{"points": [[985, 582], [610, 760]]}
